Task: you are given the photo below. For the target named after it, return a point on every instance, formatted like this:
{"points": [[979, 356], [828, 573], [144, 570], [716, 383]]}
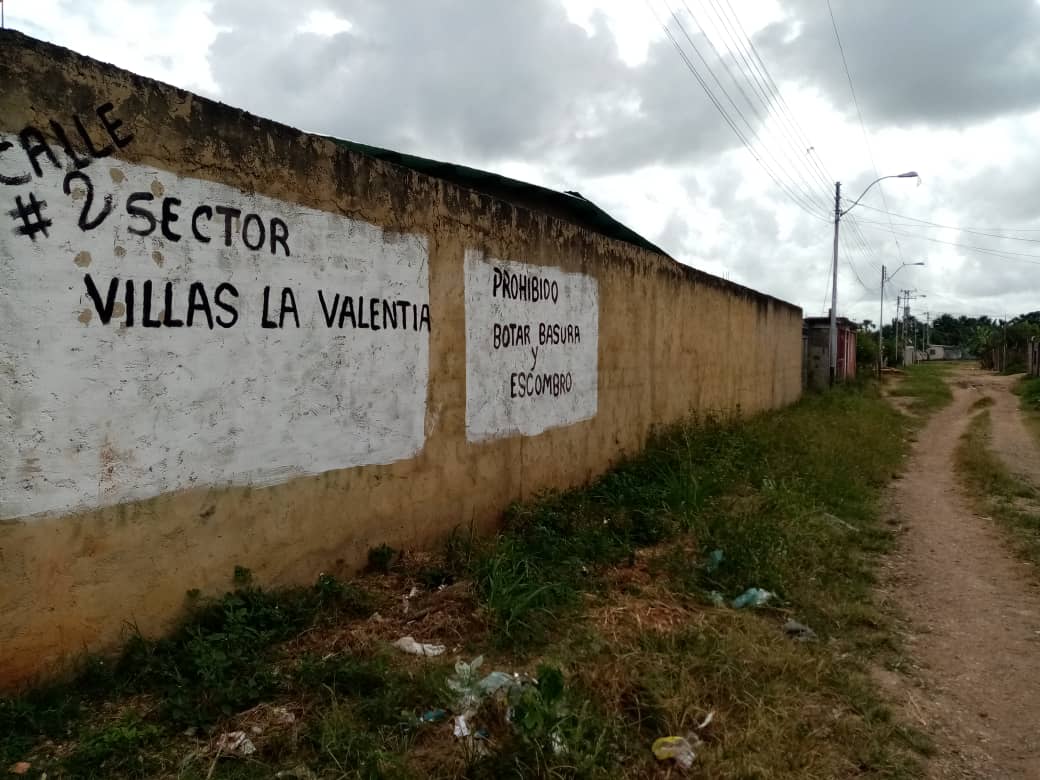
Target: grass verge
{"points": [[925, 386], [996, 490], [613, 597], [1028, 390]]}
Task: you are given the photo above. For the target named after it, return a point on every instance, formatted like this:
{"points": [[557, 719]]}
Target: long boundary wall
{"points": [[225, 342]]}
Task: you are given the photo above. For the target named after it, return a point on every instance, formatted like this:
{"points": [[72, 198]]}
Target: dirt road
{"points": [[972, 607]]}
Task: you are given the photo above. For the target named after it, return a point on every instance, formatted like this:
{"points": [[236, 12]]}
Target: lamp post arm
{"points": [[889, 277], [855, 202], [904, 265]]}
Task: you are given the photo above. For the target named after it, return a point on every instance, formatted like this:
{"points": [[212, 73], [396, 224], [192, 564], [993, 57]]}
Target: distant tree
{"points": [[866, 351]]}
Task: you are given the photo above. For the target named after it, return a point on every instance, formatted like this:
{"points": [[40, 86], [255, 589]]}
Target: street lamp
{"points": [[881, 321], [838, 214]]}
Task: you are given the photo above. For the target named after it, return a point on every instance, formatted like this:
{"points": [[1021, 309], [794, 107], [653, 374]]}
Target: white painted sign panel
{"points": [[532, 341], [161, 333]]}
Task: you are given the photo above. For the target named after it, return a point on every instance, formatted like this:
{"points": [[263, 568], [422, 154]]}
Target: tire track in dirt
{"points": [[972, 616]]}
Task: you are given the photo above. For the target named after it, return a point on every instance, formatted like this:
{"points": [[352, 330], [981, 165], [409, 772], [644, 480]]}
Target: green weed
{"points": [[925, 384], [554, 730], [218, 661], [122, 749], [996, 490], [346, 744], [381, 558], [1029, 391]]}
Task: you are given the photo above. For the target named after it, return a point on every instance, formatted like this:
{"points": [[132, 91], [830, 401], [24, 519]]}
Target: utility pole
{"points": [[927, 329], [1003, 367], [834, 285], [895, 329], [906, 323], [838, 214], [909, 295], [885, 278], [881, 326]]}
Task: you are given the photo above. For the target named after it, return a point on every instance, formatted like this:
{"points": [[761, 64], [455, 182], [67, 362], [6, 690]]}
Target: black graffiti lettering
{"points": [[129, 298], [104, 310], [113, 124], [168, 320], [85, 222], [523, 287], [253, 219], [373, 312], [197, 301], [229, 214], [31, 215], [329, 314], [347, 312], [34, 145], [288, 306], [253, 231], [208, 212], [198, 304], [279, 235], [168, 217], [226, 287], [556, 333], [361, 315], [77, 162], [264, 321], [532, 385], [94, 152], [389, 314], [13, 180], [510, 334], [141, 213], [146, 314]]}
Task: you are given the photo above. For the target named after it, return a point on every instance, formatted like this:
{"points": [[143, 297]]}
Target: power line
{"points": [[805, 204], [1005, 253], [973, 231], [808, 165], [757, 112], [777, 98], [725, 31], [859, 113], [851, 265], [827, 289]]}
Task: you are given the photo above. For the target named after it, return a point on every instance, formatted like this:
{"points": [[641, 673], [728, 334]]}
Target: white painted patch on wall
{"points": [[532, 347], [195, 335]]}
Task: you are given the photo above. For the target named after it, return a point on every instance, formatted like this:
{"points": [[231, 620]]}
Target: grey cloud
{"points": [[673, 122], [472, 82], [460, 79], [926, 61]]}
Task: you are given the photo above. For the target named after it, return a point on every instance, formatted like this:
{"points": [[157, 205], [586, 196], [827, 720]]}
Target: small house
{"points": [[816, 356]]}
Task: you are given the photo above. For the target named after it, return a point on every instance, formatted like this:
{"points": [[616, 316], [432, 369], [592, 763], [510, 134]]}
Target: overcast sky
{"points": [[591, 95]]}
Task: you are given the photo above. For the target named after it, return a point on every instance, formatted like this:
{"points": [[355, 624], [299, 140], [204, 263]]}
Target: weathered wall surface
{"points": [[228, 342]]}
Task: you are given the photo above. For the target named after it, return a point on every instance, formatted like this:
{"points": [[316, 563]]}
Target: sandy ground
{"points": [[972, 608]]}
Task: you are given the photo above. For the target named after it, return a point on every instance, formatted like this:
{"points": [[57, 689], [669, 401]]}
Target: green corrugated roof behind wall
{"points": [[570, 207]]}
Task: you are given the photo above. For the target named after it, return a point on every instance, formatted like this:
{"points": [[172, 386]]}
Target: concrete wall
{"points": [[228, 342]]}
